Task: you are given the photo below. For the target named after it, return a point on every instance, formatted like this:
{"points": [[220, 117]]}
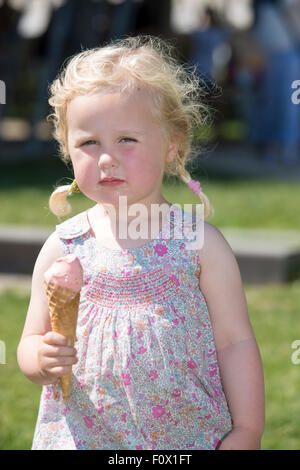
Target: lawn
{"points": [[25, 189], [274, 314]]}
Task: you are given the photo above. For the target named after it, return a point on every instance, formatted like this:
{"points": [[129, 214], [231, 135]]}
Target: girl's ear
{"points": [[172, 150]]}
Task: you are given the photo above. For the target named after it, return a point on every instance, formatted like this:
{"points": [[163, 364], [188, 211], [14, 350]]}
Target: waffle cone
{"points": [[63, 307]]}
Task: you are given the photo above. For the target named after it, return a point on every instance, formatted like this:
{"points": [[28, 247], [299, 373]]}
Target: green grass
{"points": [[25, 189], [274, 314], [19, 397], [245, 203]]}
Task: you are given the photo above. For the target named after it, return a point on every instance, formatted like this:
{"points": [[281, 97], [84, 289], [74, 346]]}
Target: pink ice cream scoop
{"points": [[63, 281], [66, 272]]}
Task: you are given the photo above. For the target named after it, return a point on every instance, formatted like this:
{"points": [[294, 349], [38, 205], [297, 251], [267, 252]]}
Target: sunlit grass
{"points": [[237, 202], [274, 312]]}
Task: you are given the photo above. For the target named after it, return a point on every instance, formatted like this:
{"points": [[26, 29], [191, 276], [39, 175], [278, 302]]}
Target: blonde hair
{"points": [[143, 62]]}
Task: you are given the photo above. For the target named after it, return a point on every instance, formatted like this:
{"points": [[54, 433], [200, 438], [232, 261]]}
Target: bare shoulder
{"points": [[37, 320], [215, 246], [217, 259], [50, 251]]}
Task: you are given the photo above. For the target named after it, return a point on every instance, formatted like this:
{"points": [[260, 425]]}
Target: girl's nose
{"points": [[106, 160]]}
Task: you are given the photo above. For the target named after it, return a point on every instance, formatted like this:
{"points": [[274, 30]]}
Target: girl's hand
{"points": [[241, 439], [55, 356]]}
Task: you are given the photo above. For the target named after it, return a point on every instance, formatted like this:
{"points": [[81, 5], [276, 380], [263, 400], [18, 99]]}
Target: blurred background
{"points": [[248, 54]]}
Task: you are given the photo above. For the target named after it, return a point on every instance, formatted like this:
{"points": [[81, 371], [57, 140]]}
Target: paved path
{"points": [[263, 255], [19, 282], [242, 161]]}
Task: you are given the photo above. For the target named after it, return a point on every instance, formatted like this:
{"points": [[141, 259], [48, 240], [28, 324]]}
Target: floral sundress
{"points": [[147, 375]]}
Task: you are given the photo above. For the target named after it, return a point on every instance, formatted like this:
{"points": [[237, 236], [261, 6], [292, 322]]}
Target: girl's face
{"points": [[114, 135]]}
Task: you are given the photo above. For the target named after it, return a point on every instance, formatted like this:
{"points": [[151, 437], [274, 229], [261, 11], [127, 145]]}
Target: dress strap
{"points": [[74, 227]]}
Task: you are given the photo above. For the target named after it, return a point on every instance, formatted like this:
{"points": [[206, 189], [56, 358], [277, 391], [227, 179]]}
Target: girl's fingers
{"points": [[56, 339], [59, 371], [56, 351], [61, 361]]}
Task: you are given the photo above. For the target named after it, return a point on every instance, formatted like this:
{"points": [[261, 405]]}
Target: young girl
{"points": [[165, 356]]}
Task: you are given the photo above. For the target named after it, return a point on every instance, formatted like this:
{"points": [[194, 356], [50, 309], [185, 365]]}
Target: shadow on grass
{"points": [[39, 174]]}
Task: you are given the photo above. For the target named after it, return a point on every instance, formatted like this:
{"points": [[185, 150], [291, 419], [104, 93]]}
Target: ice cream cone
{"points": [[63, 307]]}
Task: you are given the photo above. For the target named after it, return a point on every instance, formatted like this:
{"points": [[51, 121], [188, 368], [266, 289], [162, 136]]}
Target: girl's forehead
{"points": [[129, 105], [127, 97]]}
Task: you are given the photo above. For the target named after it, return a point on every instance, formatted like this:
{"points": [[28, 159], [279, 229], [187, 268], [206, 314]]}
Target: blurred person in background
{"points": [[276, 125], [205, 42]]}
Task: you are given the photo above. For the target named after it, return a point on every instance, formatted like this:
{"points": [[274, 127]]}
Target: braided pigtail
{"points": [[58, 203], [196, 188]]}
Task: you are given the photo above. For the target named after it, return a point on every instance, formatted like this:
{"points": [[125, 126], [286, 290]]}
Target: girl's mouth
{"points": [[112, 182]]}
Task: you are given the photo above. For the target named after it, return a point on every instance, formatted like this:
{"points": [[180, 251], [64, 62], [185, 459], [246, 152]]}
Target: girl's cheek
{"points": [[87, 172], [83, 173]]}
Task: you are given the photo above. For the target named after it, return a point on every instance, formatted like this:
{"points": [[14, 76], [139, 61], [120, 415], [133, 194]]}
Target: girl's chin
{"points": [[113, 198], [112, 201]]}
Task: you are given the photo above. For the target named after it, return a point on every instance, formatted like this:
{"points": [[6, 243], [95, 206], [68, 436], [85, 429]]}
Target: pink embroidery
{"points": [[174, 278], [160, 249], [126, 379], [88, 422], [158, 411], [153, 374], [192, 364], [142, 350]]}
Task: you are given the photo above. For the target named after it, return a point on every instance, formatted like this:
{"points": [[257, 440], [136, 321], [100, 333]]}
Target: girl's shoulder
{"points": [[216, 251], [73, 227], [50, 251], [213, 241]]}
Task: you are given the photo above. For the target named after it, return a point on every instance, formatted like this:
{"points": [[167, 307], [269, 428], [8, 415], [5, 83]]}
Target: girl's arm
{"points": [[237, 351], [43, 355]]}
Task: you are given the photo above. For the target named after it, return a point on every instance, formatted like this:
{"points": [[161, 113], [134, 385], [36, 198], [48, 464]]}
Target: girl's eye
{"points": [[89, 142], [127, 139]]}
